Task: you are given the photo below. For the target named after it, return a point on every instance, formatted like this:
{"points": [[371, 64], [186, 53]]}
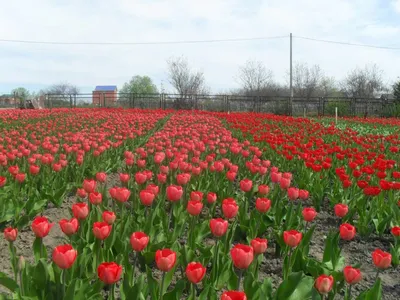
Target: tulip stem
{"points": [[170, 216], [193, 292], [112, 292], [134, 267], [63, 283], [162, 286], [377, 275], [214, 266], [349, 292], [240, 279], [14, 263]]}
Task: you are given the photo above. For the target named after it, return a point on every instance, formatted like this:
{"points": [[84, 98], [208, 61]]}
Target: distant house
{"points": [[7, 100], [105, 95]]}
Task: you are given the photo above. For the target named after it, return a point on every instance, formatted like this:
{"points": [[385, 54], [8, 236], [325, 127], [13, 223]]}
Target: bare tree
{"points": [[306, 80], [183, 79], [363, 83], [62, 94], [327, 87], [255, 78]]}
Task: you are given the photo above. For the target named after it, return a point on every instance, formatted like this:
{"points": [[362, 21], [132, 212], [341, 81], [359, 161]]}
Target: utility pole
{"points": [[291, 76]]}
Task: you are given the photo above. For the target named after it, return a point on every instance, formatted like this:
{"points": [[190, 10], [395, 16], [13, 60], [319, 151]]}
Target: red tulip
{"points": [[122, 194], [293, 193], [259, 245], [347, 231], [341, 210], [194, 207], [124, 178], [231, 175], [80, 210], [3, 181], [381, 259], [95, 198], [276, 177], [246, 185], [196, 195], [218, 227], [309, 214], [89, 185], [233, 295], [352, 275], [109, 273], [139, 241], [165, 259], [263, 189], [292, 237], [211, 197], [396, 231], [41, 226], [229, 208], [195, 272], [10, 234], [263, 205], [146, 197], [69, 227], [284, 183], [183, 179], [242, 256], [303, 194], [324, 284], [64, 256], [174, 193], [34, 169], [101, 177], [162, 178], [20, 177], [153, 188], [140, 178], [81, 193], [101, 230], [108, 217]]}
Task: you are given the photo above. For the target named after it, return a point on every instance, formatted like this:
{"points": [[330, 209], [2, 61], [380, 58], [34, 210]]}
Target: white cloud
{"points": [[160, 20], [396, 5]]}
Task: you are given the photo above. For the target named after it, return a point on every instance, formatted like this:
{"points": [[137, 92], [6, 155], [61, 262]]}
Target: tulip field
{"points": [[161, 204]]}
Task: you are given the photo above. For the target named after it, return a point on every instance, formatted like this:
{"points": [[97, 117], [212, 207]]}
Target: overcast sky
{"points": [[36, 66]]}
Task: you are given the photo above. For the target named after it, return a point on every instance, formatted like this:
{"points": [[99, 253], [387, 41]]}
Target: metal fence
{"points": [[296, 106]]}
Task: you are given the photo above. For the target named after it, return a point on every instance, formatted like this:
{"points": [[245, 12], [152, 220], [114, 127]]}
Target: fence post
{"points": [[70, 101], [323, 107]]}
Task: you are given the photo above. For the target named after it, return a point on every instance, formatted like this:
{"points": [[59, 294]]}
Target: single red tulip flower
{"points": [[174, 193], [263, 205], [284, 183], [3, 181], [80, 210], [309, 214], [101, 177], [162, 178], [81, 193], [140, 178], [153, 188], [303, 194], [293, 193], [64, 256], [101, 230], [233, 295], [276, 177], [69, 227], [195, 272], [95, 198], [108, 217], [259, 245], [231, 175], [292, 238], [381, 259], [122, 194], [139, 241], [242, 256], [34, 169], [229, 208], [352, 275], [323, 284], [182, 179], [194, 207], [263, 189], [341, 210], [165, 259], [146, 197], [246, 185], [396, 231], [211, 197], [10, 234], [196, 196], [124, 178], [89, 185], [20, 177], [109, 272], [347, 231], [41, 226], [218, 227]]}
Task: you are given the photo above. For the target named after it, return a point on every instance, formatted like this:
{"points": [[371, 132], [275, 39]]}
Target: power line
{"points": [[345, 43], [143, 43]]}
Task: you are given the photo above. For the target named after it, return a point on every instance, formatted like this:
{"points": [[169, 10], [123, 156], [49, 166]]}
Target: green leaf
{"points": [[252, 288], [176, 293], [296, 286], [70, 294], [37, 248], [40, 274], [266, 289], [8, 282], [374, 293], [153, 284]]}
